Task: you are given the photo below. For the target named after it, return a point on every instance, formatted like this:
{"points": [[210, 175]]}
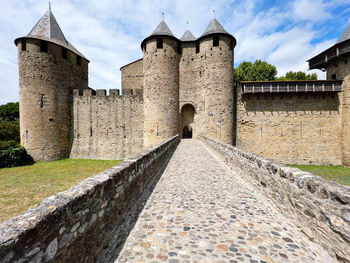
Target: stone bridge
{"points": [[193, 201]]}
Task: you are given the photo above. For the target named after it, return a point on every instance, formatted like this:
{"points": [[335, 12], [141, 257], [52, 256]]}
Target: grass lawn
{"points": [[22, 187], [339, 174]]}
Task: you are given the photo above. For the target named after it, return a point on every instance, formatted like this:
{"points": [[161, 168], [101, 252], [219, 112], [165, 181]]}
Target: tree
{"points": [[9, 111], [299, 75], [258, 71]]}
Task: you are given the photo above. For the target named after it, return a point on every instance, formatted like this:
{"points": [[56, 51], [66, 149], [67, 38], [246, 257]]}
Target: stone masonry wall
{"points": [[340, 69], [78, 225], [132, 76], [106, 127], [291, 128], [322, 208], [46, 81]]}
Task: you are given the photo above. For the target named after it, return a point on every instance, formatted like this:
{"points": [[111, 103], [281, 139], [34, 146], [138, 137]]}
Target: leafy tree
{"points": [[9, 111], [9, 130], [299, 75], [257, 71]]}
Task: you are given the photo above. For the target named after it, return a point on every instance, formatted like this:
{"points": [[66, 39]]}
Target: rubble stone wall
{"points": [[320, 207], [77, 225]]}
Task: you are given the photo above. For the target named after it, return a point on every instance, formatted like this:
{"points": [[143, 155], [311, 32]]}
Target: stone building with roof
{"points": [[180, 86]]}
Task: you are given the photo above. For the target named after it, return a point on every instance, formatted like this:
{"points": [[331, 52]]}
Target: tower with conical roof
{"points": [[49, 69], [214, 79], [161, 54]]}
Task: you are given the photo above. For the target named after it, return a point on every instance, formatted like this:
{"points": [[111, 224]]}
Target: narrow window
{"points": [[197, 47], [41, 101], [43, 46], [27, 135], [179, 51], [90, 131], [64, 53], [334, 76], [24, 45], [78, 60], [215, 41], [159, 42]]}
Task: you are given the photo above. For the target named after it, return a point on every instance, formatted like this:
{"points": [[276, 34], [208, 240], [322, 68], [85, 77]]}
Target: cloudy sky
{"points": [[109, 32]]}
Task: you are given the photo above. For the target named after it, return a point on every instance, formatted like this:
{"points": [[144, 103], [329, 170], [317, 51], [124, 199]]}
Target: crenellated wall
{"points": [[107, 126]]}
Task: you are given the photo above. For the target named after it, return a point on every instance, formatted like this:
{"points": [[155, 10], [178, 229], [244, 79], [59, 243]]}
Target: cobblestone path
{"points": [[201, 212]]}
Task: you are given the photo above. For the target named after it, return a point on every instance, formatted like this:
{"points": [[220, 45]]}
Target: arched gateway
{"points": [[187, 121]]}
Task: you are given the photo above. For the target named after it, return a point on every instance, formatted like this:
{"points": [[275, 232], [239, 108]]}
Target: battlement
{"points": [[103, 93]]}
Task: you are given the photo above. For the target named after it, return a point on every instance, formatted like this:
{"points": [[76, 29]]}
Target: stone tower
{"points": [[206, 83], [161, 85], [216, 80], [336, 61], [49, 68]]}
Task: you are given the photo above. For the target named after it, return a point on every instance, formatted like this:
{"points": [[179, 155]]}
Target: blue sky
{"points": [[109, 32]]}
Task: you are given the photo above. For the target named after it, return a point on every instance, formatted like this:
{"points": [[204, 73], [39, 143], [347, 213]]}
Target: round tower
{"points": [[49, 68], [161, 85], [215, 49]]}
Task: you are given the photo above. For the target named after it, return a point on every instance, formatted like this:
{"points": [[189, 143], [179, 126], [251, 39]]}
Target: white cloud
{"points": [[109, 32], [312, 10]]}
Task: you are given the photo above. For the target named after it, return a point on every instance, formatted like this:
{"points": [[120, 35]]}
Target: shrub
{"points": [[8, 144], [13, 157]]}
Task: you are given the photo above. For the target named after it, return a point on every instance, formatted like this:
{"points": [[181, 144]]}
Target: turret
{"points": [[215, 49], [49, 69], [161, 85], [336, 61]]}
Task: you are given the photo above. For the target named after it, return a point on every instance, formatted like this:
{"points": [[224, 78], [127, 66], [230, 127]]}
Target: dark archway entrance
{"points": [[187, 132], [187, 121]]}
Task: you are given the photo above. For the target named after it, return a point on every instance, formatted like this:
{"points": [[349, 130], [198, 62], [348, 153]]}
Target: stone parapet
{"points": [[320, 207], [77, 225]]}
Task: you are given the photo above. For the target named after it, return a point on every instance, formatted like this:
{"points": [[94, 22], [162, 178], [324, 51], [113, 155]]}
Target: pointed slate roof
{"points": [[214, 27], [345, 35], [162, 29], [48, 29], [188, 36]]}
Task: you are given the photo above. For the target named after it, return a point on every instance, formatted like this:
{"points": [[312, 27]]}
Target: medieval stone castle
{"points": [[180, 86]]}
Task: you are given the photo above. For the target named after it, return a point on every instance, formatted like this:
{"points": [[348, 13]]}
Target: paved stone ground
{"points": [[201, 212]]}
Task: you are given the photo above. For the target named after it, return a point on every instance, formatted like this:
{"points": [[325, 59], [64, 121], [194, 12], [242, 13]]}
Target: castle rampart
{"points": [[107, 126], [291, 127]]}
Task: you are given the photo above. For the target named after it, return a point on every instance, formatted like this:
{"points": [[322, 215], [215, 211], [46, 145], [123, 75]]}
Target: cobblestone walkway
{"points": [[201, 212]]}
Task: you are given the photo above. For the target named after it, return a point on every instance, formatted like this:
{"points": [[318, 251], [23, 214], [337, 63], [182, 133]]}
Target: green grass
{"points": [[339, 174], [25, 186]]}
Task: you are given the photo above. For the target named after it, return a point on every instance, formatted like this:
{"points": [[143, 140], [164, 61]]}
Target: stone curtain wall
{"points": [[76, 225], [106, 127], [132, 76], [291, 128], [321, 208]]}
